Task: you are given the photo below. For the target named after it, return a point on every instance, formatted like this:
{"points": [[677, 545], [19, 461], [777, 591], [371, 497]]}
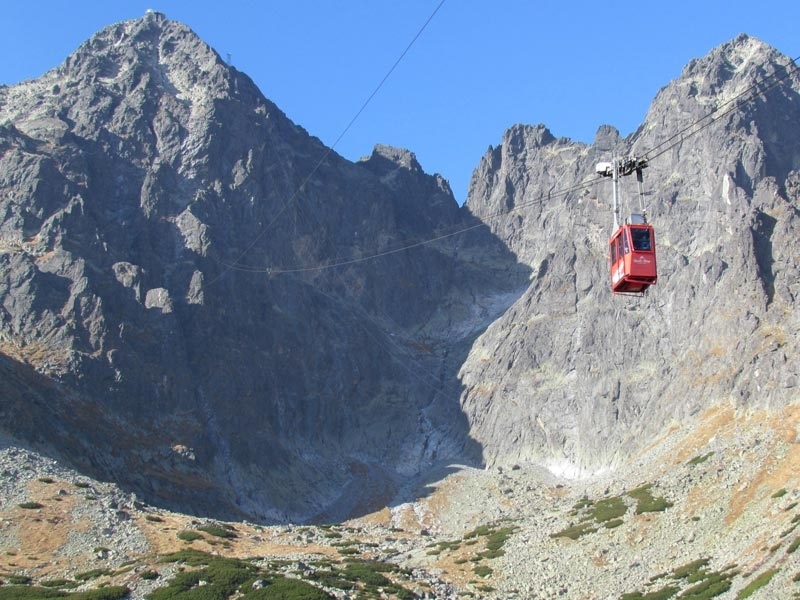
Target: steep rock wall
{"points": [[579, 379]]}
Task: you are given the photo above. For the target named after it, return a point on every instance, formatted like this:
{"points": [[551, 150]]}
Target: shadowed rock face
{"points": [[202, 302], [591, 377], [167, 240]]}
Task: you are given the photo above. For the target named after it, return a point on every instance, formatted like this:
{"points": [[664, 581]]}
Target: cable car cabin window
{"points": [[641, 239], [625, 243], [613, 252]]}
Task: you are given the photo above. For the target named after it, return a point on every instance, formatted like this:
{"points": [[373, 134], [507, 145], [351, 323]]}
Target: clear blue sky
{"points": [[479, 67]]}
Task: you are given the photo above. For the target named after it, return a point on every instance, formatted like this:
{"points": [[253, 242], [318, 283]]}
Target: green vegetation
{"points": [[207, 577], [480, 530], [607, 512], [31, 505], [203, 576], [218, 531], [222, 577], [793, 546], [368, 572], [493, 537], [93, 574], [81, 484], [188, 535], [47, 480], [281, 588], [646, 502], [690, 571], [331, 578], [756, 584], [789, 531], [575, 531], [495, 540], [154, 518], [25, 592], [190, 557], [780, 493], [691, 581], [662, 594], [483, 571], [700, 459], [441, 546], [608, 509], [710, 586], [59, 583]]}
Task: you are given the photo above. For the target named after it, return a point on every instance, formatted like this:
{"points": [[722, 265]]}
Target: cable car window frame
{"points": [[625, 245], [641, 239]]}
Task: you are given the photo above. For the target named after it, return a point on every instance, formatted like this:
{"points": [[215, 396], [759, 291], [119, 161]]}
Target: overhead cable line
{"points": [[331, 148], [676, 139], [671, 142], [733, 101], [416, 244], [392, 346], [385, 77], [397, 350]]}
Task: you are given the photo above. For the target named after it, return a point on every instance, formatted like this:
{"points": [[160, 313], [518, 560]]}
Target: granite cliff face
{"points": [[204, 304], [591, 377], [169, 297]]}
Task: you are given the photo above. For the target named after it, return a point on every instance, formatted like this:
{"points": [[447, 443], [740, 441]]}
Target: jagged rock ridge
{"points": [[591, 378], [168, 288], [163, 229]]}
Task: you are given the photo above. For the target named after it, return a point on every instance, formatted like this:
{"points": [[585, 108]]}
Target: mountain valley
{"points": [[235, 364]]}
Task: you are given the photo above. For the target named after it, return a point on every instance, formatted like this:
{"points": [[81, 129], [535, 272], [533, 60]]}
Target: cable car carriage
{"points": [[632, 247], [632, 250]]}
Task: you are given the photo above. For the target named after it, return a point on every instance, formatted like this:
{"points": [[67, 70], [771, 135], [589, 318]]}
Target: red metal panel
{"points": [[635, 270]]}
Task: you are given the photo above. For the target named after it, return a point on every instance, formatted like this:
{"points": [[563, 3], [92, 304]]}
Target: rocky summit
{"points": [[591, 378], [220, 340], [211, 306]]}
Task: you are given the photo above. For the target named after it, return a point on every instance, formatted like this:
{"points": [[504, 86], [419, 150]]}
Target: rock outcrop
{"points": [[591, 378], [215, 306], [204, 304]]}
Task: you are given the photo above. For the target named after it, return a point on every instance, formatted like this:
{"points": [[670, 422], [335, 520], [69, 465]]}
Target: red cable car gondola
{"points": [[632, 247], [633, 257]]}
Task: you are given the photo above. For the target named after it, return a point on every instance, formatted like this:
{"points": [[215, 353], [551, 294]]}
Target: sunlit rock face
{"points": [[207, 305], [203, 303], [579, 379]]}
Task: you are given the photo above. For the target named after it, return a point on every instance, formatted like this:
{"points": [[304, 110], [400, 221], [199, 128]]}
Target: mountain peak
{"points": [[386, 158], [175, 239], [734, 65], [119, 72], [153, 42]]}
